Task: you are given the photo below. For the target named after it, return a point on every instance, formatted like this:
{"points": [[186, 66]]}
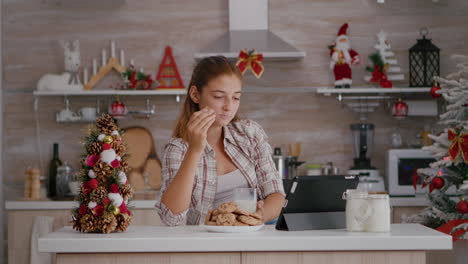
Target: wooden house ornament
{"points": [[168, 75]]}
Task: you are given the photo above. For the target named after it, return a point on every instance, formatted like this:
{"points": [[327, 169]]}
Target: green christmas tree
{"points": [[105, 191], [450, 148]]}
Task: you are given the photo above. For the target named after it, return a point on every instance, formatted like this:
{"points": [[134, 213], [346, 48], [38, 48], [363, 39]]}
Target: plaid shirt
{"points": [[246, 144]]}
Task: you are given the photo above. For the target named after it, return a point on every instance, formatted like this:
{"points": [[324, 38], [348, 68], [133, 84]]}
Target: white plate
{"points": [[232, 229]]}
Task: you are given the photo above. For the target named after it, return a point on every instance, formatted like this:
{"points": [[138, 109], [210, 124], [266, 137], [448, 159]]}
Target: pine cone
{"points": [[88, 223], [119, 148], [94, 148], [98, 195], [106, 124], [126, 191], [124, 166], [102, 171], [123, 221], [107, 223], [76, 223]]}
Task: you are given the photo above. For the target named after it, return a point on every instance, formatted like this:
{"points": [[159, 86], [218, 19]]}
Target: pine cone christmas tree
{"points": [[105, 190]]}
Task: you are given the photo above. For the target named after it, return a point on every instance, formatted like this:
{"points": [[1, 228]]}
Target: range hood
{"points": [[248, 29]]}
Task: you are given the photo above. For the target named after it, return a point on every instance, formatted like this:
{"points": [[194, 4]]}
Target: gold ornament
{"points": [[116, 210], [108, 139]]}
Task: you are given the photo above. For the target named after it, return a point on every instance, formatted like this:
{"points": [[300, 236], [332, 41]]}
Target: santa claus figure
{"points": [[342, 56]]}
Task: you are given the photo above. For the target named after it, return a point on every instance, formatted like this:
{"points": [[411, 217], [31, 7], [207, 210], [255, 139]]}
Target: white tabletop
{"points": [[196, 239]]}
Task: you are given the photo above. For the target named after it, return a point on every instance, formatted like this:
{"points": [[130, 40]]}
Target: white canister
{"points": [[358, 210], [379, 220]]}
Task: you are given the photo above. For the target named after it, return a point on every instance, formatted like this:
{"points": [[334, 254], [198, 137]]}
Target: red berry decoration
{"points": [[434, 90], [462, 207], [437, 182]]}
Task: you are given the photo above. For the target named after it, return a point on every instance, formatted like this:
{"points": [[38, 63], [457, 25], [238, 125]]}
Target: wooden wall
{"points": [[282, 101]]}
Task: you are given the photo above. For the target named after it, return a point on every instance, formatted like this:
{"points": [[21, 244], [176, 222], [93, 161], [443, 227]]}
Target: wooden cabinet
{"points": [[20, 223]]}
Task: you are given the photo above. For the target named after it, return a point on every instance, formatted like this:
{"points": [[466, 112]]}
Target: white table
{"points": [[406, 243]]}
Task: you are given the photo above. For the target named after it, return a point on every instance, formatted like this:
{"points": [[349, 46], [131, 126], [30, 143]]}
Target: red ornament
{"points": [[83, 209], [434, 90], [118, 108], [92, 184], [115, 163], [437, 182], [106, 146], [462, 207], [106, 201], [400, 109], [98, 210], [123, 209], [92, 160], [114, 188]]}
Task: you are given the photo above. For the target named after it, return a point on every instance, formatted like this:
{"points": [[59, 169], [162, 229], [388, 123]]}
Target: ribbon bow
{"points": [[250, 60], [378, 75], [459, 143]]}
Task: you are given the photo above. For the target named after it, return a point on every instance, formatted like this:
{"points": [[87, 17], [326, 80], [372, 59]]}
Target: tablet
{"points": [[315, 202]]}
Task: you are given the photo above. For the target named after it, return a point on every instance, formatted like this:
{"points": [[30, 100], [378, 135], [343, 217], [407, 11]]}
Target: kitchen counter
{"points": [[406, 243], [196, 239]]}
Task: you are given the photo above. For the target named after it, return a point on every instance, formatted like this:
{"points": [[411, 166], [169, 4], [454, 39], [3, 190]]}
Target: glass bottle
{"points": [[54, 164]]}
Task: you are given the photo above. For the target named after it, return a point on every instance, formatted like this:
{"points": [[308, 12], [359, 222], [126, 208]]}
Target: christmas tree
{"points": [[384, 70], [450, 148], [105, 191]]}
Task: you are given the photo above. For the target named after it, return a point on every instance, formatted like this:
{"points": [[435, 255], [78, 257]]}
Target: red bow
{"points": [[459, 143], [378, 75], [250, 60]]}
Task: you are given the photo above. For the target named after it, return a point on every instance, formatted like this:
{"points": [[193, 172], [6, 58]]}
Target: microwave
{"points": [[401, 166]]}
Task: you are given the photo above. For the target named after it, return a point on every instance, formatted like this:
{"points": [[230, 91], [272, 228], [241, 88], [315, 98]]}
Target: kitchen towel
{"points": [[42, 226]]}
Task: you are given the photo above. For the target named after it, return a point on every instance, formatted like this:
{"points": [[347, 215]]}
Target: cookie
{"points": [[213, 223], [256, 215], [249, 220], [216, 212], [208, 216], [227, 208], [226, 219], [241, 212], [238, 223]]}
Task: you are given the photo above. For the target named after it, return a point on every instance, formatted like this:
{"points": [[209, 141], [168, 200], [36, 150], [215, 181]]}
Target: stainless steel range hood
{"points": [[248, 29]]}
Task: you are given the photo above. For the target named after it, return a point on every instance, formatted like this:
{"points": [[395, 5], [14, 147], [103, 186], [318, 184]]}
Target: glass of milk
{"points": [[246, 198]]}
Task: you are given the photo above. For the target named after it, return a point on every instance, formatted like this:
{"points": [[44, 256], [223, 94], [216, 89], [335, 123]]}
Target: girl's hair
{"points": [[206, 70]]}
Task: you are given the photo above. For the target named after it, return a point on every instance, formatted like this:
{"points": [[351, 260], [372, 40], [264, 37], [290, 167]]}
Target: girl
{"points": [[212, 151]]}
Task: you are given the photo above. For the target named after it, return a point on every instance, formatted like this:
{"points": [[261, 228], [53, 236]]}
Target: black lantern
{"points": [[423, 62]]}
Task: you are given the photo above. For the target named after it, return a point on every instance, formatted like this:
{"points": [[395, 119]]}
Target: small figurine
{"points": [[342, 56]]}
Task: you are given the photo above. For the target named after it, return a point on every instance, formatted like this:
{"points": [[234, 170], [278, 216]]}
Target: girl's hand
{"points": [[198, 126], [260, 209]]}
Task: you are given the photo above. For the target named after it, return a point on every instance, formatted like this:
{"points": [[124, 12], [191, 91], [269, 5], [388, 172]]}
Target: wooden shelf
{"points": [[369, 91], [111, 92]]}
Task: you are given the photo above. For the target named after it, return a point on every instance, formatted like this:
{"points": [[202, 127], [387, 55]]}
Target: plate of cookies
{"points": [[229, 218]]}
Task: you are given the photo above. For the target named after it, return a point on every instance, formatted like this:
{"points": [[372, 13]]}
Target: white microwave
{"points": [[401, 166]]}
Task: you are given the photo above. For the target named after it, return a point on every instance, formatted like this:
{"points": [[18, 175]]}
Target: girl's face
{"points": [[221, 94]]}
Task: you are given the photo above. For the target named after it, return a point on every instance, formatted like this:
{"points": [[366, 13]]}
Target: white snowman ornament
{"points": [[109, 156]]}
